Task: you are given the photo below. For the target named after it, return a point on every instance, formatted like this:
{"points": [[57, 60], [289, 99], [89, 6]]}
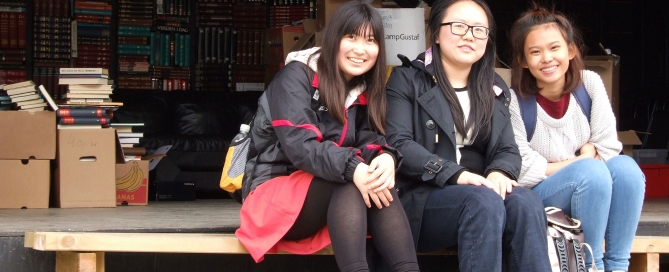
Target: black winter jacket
{"points": [[418, 110], [301, 134]]}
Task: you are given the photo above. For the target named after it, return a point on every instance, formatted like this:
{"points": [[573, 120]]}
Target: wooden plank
{"points": [[645, 262], [142, 242], [80, 262], [651, 244]]}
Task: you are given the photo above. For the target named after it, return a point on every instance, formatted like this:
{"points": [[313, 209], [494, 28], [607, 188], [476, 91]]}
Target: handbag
{"points": [[566, 242]]}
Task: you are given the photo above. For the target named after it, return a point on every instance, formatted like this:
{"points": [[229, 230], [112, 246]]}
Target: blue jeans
{"points": [[482, 226], [607, 198]]}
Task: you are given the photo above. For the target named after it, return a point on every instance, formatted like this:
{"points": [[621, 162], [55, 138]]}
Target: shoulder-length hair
{"points": [[353, 17], [522, 80], [481, 76]]}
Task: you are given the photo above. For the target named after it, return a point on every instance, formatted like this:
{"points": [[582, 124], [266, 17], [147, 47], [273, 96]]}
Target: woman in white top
{"points": [[569, 158]]}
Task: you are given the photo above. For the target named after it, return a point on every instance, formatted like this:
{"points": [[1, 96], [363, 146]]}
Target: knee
{"points": [[626, 174], [594, 176], [482, 201], [523, 202]]}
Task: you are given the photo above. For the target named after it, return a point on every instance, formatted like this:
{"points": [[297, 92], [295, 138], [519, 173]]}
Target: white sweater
{"points": [[556, 140]]}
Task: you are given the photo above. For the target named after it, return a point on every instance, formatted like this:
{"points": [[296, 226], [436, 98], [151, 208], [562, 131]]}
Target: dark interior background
{"points": [[634, 30]]}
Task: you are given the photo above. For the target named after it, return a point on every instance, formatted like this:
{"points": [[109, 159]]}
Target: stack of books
{"points": [[84, 117], [86, 86], [129, 134], [87, 103], [23, 96]]}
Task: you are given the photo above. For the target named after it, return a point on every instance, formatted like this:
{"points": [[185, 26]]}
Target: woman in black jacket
{"points": [[317, 147], [451, 124]]}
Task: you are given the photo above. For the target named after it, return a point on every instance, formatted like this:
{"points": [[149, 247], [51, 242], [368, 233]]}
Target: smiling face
{"points": [[547, 56], [357, 53], [462, 51]]}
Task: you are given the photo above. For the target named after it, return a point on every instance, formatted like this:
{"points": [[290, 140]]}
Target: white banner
{"points": [[405, 32]]}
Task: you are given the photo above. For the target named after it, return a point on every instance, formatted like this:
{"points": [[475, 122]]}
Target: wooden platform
{"points": [[201, 216], [82, 236]]}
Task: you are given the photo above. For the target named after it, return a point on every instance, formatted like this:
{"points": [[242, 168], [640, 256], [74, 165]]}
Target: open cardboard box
{"points": [[132, 178], [629, 139], [84, 176]]}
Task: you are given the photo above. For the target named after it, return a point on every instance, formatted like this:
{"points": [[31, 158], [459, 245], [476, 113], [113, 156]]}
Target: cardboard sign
{"points": [[404, 33]]}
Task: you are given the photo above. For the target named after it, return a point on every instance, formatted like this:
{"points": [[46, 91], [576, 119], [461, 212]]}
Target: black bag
{"points": [[566, 242]]}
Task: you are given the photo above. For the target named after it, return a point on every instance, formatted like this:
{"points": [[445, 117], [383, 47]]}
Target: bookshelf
{"points": [[158, 45]]}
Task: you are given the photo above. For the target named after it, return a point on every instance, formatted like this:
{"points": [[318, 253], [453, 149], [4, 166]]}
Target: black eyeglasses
{"points": [[460, 29]]}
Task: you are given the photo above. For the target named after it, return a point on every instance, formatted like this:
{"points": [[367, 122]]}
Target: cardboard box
{"points": [[85, 171], [24, 184], [132, 183], [608, 67], [629, 140], [505, 74], [27, 135], [280, 41], [132, 178], [327, 7]]}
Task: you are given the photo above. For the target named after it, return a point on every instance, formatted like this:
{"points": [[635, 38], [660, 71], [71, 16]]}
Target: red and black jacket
{"points": [[303, 135]]}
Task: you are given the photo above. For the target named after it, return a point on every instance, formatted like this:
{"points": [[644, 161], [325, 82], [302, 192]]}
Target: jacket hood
{"points": [[303, 57]]}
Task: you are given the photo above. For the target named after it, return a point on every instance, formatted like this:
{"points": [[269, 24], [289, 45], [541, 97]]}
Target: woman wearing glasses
{"points": [[451, 123]]}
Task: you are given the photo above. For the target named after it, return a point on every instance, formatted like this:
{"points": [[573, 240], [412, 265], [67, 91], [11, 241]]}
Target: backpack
{"points": [[237, 155], [528, 108]]}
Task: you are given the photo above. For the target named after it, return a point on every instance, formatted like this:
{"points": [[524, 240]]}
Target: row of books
{"points": [[12, 27]]}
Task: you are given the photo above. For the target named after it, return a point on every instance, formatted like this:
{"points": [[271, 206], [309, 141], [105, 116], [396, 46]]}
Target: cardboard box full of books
{"points": [[85, 171], [24, 184], [132, 175], [27, 135]]}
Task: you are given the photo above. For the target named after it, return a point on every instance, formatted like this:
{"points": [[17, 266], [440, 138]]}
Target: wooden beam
{"points": [[80, 262], [142, 242], [650, 244], [645, 262]]}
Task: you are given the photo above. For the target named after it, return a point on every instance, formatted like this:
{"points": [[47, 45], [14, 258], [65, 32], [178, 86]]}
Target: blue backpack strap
{"points": [[528, 111], [584, 101]]}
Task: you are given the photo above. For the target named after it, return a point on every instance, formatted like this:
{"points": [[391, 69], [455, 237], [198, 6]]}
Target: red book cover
{"points": [[4, 29], [21, 17], [13, 30]]}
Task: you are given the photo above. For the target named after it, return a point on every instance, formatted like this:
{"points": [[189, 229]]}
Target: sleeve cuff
{"points": [[453, 180], [350, 167]]}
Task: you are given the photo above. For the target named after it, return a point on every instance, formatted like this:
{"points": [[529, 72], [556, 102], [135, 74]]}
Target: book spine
{"points": [[84, 112], [83, 120]]}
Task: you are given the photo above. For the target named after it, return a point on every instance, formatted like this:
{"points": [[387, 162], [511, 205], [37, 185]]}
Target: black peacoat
{"points": [[418, 111]]}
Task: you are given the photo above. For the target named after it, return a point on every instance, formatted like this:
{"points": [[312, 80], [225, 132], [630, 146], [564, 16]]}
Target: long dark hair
{"points": [[521, 79], [353, 17], [480, 79]]}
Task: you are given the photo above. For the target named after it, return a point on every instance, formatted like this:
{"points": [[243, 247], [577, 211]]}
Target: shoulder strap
{"points": [[528, 108], [583, 100], [528, 111]]}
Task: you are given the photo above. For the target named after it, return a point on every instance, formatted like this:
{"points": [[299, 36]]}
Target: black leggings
{"points": [[341, 207]]}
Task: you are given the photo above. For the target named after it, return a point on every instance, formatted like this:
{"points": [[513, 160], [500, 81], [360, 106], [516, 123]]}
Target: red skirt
{"points": [[270, 211]]}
